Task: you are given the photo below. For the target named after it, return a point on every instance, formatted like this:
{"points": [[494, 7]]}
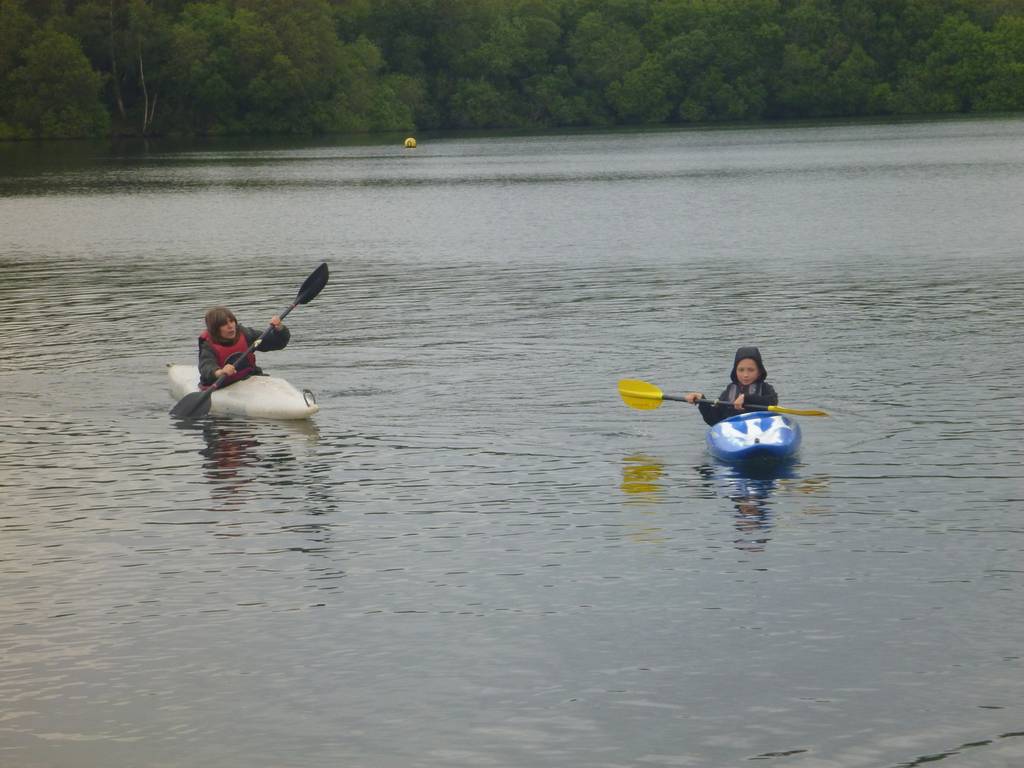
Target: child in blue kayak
{"points": [[224, 341], [748, 388]]}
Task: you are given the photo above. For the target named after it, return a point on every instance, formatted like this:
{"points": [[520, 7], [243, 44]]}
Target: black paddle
{"points": [[195, 405]]}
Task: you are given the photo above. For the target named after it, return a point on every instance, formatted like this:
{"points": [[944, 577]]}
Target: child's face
{"points": [[747, 371], [228, 330]]}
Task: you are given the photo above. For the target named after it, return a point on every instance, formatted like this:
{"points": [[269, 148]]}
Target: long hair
{"points": [[215, 318]]}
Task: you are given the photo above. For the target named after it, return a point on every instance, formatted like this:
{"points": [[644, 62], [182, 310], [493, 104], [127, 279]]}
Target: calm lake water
{"points": [[476, 554]]}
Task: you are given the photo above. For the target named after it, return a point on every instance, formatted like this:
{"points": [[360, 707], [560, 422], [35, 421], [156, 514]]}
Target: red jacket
{"points": [[210, 358], [224, 353]]}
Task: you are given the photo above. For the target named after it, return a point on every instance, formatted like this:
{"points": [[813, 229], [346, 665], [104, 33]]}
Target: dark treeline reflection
{"points": [[71, 69]]}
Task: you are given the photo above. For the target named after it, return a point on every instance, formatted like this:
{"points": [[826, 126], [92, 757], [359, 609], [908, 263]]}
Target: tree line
{"points": [[215, 67]]}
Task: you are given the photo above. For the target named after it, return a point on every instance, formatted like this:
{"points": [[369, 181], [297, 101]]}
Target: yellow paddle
{"points": [[646, 397]]}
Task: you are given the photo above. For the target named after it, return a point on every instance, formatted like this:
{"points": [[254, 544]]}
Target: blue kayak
{"points": [[754, 436]]}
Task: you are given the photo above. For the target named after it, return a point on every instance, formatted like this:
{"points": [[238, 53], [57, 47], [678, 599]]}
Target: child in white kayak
{"points": [[224, 339], [748, 388]]}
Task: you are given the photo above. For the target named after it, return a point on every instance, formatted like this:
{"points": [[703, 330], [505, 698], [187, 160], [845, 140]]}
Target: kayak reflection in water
{"points": [[750, 494], [223, 344], [753, 522], [229, 450]]}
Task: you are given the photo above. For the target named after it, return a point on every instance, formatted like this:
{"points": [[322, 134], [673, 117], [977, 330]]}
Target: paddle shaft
{"points": [[706, 401], [771, 408], [681, 399]]}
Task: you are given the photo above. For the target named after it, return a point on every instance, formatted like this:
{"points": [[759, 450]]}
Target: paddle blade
{"points": [[194, 405], [796, 411], [313, 285], [640, 395]]}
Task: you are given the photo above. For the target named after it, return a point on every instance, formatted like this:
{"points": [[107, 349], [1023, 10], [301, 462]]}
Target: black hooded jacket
{"points": [[760, 392]]}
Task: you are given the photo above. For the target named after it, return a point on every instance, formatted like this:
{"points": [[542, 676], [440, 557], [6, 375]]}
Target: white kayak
{"points": [[259, 397]]}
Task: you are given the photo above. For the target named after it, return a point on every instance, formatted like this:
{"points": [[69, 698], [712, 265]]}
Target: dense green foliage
{"points": [[144, 67]]}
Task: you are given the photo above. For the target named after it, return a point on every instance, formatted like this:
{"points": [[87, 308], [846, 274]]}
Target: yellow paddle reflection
{"points": [[640, 475]]}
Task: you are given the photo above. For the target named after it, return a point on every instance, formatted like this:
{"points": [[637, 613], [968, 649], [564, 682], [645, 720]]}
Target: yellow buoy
{"points": [[410, 143]]}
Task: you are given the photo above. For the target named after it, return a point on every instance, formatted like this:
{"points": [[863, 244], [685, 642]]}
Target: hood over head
{"points": [[752, 353]]}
